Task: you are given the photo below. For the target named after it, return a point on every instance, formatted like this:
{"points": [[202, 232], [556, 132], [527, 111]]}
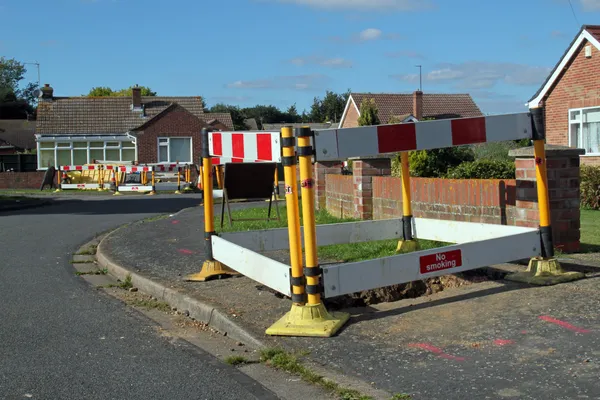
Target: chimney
{"points": [[47, 93], [136, 94], [418, 105]]}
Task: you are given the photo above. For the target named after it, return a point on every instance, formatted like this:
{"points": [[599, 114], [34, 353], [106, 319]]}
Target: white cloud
{"points": [[298, 82], [364, 5], [334, 62], [405, 54], [369, 34], [590, 5], [482, 75]]}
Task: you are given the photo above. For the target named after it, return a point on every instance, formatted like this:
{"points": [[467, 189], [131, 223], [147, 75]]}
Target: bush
{"points": [[436, 163], [498, 150], [590, 187], [483, 169]]}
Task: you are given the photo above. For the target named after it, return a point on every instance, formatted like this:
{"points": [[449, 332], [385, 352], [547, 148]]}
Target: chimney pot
{"points": [[136, 97], [47, 92]]}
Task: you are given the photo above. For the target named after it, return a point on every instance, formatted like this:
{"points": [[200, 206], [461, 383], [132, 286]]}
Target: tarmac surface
{"points": [[490, 340], [62, 339]]}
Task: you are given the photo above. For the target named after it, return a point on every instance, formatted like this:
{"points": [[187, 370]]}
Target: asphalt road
{"points": [[62, 339]]}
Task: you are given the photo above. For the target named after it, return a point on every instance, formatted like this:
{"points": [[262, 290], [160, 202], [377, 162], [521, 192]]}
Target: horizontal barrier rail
{"points": [[135, 188], [255, 266], [245, 146], [367, 231], [79, 168], [366, 141], [371, 274]]}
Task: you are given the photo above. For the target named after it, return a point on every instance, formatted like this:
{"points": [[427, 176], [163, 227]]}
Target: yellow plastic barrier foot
{"points": [[117, 193], [151, 194], [544, 272], [177, 192], [211, 270], [308, 320], [407, 246]]}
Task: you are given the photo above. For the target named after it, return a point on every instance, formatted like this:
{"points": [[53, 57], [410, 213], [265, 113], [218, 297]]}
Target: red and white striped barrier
{"points": [[62, 169], [365, 141], [129, 169], [168, 167], [69, 168], [244, 147]]}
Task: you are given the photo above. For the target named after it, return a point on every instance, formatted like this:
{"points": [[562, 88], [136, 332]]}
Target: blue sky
{"points": [[283, 52]]}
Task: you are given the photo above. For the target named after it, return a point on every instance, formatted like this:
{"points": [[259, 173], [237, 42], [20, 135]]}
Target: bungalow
{"points": [[410, 107], [571, 96], [137, 129]]}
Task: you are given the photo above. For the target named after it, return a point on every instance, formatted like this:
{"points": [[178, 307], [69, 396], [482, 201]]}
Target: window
{"points": [[83, 152], [584, 129], [175, 149]]}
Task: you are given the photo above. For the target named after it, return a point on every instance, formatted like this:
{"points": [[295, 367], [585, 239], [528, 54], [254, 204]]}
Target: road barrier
{"points": [[475, 245], [81, 177]]}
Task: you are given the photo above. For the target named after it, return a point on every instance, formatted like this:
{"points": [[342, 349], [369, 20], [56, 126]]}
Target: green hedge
{"points": [[590, 187], [483, 169]]}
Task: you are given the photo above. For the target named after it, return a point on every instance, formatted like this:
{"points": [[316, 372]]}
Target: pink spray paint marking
{"points": [[503, 342], [436, 350], [175, 221], [563, 324], [185, 251]]}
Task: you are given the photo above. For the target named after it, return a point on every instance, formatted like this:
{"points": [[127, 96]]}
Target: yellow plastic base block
{"points": [[544, 272], [151, 194], [177, 192], [211, 270], [407, 246], [117, 194], [308, 320]]}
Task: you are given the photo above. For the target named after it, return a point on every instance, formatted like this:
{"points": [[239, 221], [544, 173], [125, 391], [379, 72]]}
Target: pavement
{"points": [[62, 339], [489, 340]]}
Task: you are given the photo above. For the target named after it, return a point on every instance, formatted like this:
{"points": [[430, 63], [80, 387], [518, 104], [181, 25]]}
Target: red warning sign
{"points": [[439, 261], [288, 189]]}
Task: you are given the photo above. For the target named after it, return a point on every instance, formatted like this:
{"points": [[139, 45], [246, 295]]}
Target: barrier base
{"points": [[407, 246], [308, 320], [544, 272], [151, 193], [117, 194], [211, 270], [177, 192]]}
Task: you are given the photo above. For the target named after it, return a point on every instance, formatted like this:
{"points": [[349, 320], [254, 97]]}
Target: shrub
{"points": [[497, 150], [436, 163], [483, 169], [590, 187]]}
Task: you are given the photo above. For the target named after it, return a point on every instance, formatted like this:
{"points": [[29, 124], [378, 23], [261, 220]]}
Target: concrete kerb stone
{"points": [[198, 310]]}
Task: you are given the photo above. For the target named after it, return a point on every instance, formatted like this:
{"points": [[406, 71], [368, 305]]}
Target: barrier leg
{"points": [[117, 183], [58, 187], [153, 191], [310, 319], [188, 178], [219, 172], [211, 268], [275, 195], [407, 244], [178, 191], [544, 270]]}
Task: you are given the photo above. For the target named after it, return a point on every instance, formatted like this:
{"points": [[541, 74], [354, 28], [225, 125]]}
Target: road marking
{"points": [[436, 350], [563, 324]]}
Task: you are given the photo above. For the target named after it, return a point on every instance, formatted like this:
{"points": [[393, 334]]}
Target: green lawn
{"points": [[590, 231], [339, 252]]}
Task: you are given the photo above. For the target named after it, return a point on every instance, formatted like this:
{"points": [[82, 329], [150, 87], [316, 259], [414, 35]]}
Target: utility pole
{"points": [[420, 78]]}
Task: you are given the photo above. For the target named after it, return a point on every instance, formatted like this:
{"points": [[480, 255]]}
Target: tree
{"points": [[368, 113], [292, 114], [237, 116], [330, 109], [103, 91], [11, 73], [14, 102]]}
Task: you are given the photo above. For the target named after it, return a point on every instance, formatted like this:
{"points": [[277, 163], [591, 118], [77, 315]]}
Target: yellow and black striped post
{"points": [[544, 270], [310, 318], [407, 244]]}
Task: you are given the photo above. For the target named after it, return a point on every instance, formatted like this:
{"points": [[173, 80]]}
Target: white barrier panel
{"points": [[252, 146], [135, 188], [257, 267], [78, 168], [367, 231], [371, 274], [341, 144], [79, 186]]}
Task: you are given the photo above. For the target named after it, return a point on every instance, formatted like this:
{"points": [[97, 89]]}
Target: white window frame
{"points": [[580, 110], [87, 140], [168, 146]]}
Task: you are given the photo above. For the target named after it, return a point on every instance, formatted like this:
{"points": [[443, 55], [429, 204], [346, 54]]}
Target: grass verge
{"points": [[237, 360], [590, 231], [97, 272], [149, 304], [280, 359]]}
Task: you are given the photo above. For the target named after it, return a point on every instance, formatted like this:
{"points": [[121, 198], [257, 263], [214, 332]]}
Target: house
{"points": [[16, 136], [410, 107], [137, 129], [571, 96], [313, 125]]}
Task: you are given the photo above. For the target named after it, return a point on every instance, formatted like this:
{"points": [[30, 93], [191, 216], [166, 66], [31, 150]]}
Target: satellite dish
{"points": [[37, 93]]}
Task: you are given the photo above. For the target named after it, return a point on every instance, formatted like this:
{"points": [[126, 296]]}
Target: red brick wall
{"points": [[21, 180], [340, 195], [351, 119], [478, 200], [578, 87], [177, 122]]}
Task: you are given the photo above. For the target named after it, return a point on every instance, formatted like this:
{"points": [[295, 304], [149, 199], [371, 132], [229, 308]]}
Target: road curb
{"points": [[198, 310]]}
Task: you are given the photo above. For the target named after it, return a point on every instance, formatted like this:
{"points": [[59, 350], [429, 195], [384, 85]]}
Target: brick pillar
{"points": [[322, 169], [363, 171], [563, 190]]}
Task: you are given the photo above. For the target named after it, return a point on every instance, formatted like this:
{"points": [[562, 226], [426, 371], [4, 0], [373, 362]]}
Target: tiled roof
{"points": [[224, 118], [104, 115], [594, 30], [18, 133], [312, 125], [434, 104]]}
